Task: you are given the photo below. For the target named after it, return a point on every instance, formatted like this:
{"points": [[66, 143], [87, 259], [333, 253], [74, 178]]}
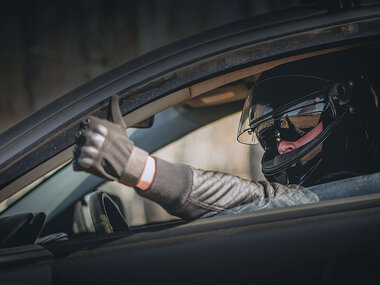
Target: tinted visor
{"points": [[288, 128], [289, 104]]}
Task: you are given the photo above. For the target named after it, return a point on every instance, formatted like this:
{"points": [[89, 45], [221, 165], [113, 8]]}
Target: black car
{"points": [[46, 234]]}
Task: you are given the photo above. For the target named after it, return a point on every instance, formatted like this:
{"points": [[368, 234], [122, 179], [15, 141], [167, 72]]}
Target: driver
{"points": [[313, 128]]}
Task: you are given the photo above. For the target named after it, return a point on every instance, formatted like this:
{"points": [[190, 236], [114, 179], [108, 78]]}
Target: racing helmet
{"points": [[312, 127]]}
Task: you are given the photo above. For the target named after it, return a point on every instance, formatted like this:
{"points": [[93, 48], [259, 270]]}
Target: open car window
{"points": [[211, 147]]}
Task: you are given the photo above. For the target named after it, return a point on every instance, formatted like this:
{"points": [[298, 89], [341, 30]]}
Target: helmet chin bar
{"points": [[288, 176]]}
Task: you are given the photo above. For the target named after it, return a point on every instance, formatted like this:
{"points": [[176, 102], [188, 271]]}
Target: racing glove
{"points": [[103, 149]]}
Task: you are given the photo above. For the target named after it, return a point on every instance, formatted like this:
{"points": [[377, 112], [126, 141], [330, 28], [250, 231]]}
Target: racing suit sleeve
{"points": [[192, 193]]}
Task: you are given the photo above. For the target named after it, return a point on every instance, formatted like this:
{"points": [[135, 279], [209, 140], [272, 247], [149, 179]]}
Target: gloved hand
{"points": [[103, 149]]}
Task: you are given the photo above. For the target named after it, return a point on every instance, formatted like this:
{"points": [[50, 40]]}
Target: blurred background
{"points": [[48, 48]]}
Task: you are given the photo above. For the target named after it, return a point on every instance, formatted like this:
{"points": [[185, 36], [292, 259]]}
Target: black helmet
{"points": [[313, 128]]}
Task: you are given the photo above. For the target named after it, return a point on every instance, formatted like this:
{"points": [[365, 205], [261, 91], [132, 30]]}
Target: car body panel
{"points": [[303, 242]]}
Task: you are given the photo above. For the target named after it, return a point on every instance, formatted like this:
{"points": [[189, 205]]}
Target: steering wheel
{"points": [[105, 214]]}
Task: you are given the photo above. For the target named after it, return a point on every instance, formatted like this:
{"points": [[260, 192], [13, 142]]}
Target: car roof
{"points": [[43, 141]]}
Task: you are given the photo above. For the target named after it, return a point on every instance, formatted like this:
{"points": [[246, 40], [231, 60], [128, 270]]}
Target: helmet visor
{"points": [[288, 128], [291, 102]]}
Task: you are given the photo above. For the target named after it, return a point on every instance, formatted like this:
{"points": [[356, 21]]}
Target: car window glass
{"points": [[18, 195]]}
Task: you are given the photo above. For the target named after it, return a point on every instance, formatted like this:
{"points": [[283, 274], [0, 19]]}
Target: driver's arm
{"points": [[104, 149], [192, 193]]}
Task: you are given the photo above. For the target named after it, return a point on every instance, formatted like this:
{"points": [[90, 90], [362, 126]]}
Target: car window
{"points": [[212, 147]]}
